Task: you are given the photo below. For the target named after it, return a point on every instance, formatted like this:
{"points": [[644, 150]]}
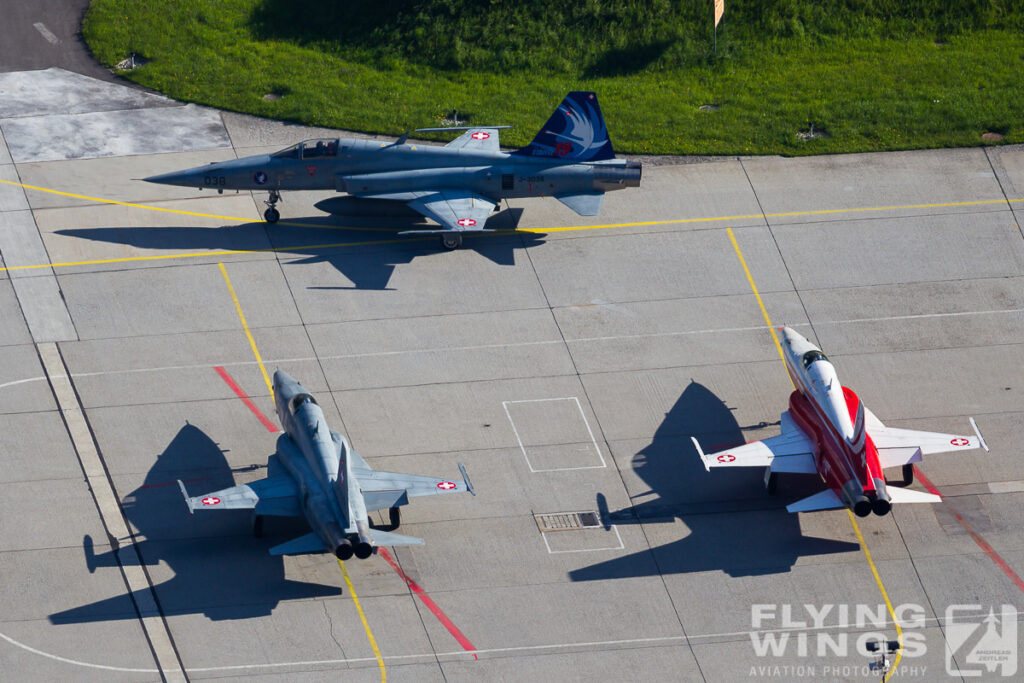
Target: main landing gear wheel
{"points": [[451, 241], [772, 483], [395, 517], [272, 215], [908, 475]]}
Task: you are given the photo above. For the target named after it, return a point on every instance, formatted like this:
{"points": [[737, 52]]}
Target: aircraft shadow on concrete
{"points": [[735, 526], [217, 571], [367, 251]]}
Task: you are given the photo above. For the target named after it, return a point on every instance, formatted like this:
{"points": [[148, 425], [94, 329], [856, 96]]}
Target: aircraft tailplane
{"points": [[575, 132], [388, 538]]}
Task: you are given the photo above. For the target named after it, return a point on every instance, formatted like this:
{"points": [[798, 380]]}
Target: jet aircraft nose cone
{"points": [[791, 335], [186, 178]]}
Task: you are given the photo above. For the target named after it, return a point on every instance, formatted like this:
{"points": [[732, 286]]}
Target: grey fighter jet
{"points": [[316, 473], [457, 185]]}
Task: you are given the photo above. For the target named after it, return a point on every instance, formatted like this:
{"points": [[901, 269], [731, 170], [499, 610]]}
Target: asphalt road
{"points": [[37, 34]]}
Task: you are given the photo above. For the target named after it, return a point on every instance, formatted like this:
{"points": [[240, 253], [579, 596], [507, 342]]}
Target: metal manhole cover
{"points": [[567, 521]]}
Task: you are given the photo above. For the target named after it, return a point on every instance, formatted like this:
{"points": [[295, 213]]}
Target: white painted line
{"points": [[1006, 486], [544, 534], [136, 579], [590, 432], [46, 33], [301, 359], [462, 654]]}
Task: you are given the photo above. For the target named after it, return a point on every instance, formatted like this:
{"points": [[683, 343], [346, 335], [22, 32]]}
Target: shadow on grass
{"points": [[626, 61]]}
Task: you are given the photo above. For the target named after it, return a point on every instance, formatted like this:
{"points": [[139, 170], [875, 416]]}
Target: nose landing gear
{"points": [[272, 215]]}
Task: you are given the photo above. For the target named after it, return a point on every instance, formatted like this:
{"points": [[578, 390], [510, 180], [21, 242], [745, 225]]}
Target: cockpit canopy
{"points": [[298, 400], [310, 149], [812, 356]]}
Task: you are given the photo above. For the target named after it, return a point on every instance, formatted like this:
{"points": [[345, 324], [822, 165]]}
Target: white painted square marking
{"points": [[577, 534], [547, 430]]}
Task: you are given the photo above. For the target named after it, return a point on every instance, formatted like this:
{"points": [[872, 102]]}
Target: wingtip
{"points": [[188, 499], [465, 478], [977, 432], [700, 452]]}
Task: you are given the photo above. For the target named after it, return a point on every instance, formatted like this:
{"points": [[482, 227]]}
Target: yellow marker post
{"points": [[853, 520]]}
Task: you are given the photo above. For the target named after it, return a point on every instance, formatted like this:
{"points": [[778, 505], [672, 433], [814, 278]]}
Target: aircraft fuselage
{"points": [[845, 456], [371, 167], [316, 458]]}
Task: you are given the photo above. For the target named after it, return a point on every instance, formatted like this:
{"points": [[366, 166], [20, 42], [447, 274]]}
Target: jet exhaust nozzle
{"points": [[609, 177], [882, 503], [344, 550], [363, 550], [862, 506]]}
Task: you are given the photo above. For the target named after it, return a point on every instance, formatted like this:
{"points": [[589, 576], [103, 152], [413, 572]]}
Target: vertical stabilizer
{"points": [[575, 132]]}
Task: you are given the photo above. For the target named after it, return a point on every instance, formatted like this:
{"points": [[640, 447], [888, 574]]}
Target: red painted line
{"points": [[271, 427], [431, 605], [982, 543]]}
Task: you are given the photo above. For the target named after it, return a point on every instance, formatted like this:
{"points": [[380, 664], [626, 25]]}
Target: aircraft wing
{"points": [[455, 210], [477, 140], [790, 451], [910, 440], [276, 495], [391, 489]]}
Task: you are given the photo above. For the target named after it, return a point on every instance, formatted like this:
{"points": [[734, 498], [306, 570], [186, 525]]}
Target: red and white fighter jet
{"points": [[828, 431]]}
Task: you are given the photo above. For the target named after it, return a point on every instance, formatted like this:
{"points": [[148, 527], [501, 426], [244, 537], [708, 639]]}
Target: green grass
{"points": [[872, 74]]}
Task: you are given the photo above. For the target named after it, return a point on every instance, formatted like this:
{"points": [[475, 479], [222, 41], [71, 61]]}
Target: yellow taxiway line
{"points": [[853, 520], [366, 624], [245, 326], [348, 581], [236, 219]]}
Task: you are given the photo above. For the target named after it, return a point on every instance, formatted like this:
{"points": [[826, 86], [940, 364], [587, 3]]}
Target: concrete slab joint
{"points": [[136, 580]]}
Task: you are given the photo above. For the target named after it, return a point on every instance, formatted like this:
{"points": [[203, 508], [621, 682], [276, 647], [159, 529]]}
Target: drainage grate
{"points": [[567, 521]]}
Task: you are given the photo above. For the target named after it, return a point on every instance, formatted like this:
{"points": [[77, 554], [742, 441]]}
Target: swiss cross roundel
{"points": [[211, 500], [959, 441], [480, 135], [466, 222], [728, 457], [446, 485]]}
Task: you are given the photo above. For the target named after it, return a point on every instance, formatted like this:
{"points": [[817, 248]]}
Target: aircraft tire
{"points": [[773, 482], [272, 215], [451, 242], [908, 474], [395, 517]]}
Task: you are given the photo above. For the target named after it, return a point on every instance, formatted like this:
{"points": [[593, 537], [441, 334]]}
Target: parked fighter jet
{"points": [[828, 431], [458, 185], [317, 474]]}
